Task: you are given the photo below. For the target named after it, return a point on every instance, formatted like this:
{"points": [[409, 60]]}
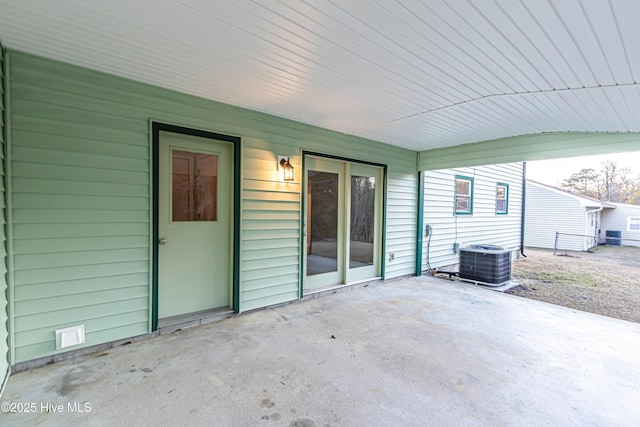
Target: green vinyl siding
{"points": [[80, 211], [401, 220], [82, 197], [4, 289], [270, 228]]}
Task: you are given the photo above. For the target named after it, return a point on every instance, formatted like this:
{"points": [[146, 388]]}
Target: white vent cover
{"points": [[68, 337]]}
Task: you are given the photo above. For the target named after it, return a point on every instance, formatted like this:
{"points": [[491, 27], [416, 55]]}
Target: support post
{"points": [[420, 224]]}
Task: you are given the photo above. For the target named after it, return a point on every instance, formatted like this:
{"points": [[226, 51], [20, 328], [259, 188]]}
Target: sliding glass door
{"points": [[342, 227], [364, 215]]}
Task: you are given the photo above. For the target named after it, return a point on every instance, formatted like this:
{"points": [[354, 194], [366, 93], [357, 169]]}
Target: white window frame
{"points": [[633, 221]]}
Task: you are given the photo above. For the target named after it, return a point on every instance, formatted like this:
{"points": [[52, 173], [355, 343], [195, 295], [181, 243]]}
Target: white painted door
{"points": [[195, 193]]}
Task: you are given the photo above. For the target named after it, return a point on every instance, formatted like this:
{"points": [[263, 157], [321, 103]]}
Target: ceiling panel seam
{"points": [[498, 95]]}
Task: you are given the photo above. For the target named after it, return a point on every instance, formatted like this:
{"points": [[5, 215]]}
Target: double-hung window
{"points": [[464, 195], [502, 198], [633, 223]]}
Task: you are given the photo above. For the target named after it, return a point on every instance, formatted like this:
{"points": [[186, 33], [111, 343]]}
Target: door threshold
{"points": [[183, 321], [332, 289]]}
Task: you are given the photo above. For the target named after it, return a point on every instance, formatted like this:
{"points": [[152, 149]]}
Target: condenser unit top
{"points": [[485, 248]]}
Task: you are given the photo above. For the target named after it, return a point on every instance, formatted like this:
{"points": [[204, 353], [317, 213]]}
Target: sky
{"points": [[553, 172]]}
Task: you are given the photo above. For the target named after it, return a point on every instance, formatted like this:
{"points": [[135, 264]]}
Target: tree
{"points": [[610, 184], [362, 208], [635, 196], [615, 183], [583, 182]]}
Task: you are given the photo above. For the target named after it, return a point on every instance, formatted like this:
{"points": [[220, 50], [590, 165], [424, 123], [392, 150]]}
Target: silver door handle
{"points": [[162, 241]]}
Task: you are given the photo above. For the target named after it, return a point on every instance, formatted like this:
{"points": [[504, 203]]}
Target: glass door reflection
{"points": [[322, 222], [363, 220]]}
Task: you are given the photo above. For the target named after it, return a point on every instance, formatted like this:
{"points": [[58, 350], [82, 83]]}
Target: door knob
{"points": [[162, 241]]}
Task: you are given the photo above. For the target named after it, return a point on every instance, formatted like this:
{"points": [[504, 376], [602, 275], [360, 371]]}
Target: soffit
{"points": [[415, 74]]}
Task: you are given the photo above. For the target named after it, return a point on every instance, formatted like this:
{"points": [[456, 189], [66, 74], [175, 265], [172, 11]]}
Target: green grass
{"points": [[554, 276]]}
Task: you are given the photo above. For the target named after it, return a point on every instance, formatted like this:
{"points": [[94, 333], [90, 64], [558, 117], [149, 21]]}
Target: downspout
{"points": [[524, 203], [586, 218]]}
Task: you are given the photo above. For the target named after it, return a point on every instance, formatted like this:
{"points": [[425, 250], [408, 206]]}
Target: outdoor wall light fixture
{"points": [[286, 168]]}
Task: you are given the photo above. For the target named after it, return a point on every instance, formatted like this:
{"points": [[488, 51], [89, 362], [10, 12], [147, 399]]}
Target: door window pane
{"points": [[322, 223], [194, 186], [363, 193]]}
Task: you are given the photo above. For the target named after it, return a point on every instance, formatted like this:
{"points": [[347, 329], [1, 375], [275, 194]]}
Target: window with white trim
{"points": [[464, 195], [502, 198], [633, 223]]}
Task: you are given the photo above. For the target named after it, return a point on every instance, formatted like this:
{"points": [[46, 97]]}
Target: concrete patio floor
{"points": [[410, 352]]}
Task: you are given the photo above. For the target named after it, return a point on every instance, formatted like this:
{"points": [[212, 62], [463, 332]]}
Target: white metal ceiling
{"points": [[416, 74]]}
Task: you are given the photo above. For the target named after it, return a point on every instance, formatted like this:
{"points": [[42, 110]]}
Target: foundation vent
{"points": [[69, 337]]}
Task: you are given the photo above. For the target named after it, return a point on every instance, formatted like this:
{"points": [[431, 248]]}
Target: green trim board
{"points": [[156, 129], [523, 206], [9, 209], [5, 335], [237, 185], [153, 201], [552, 145], [420, 224], [155, 179], [383, 243], [342, 158], [303, 208]]}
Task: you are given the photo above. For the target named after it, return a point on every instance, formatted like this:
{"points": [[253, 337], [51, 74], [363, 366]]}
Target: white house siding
{"points": [[617, 220], [484, 225], [551, 210]]}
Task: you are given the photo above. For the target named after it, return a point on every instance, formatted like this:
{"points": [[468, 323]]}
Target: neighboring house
{"points": [[624, 219], [471, 205], [575, 217]]}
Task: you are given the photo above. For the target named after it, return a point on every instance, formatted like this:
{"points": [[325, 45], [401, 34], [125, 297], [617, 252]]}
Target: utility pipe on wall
{"points": [[522, 215]]}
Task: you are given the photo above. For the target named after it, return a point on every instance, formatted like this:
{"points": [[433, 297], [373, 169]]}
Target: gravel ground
{"points": [[605, 282]]}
